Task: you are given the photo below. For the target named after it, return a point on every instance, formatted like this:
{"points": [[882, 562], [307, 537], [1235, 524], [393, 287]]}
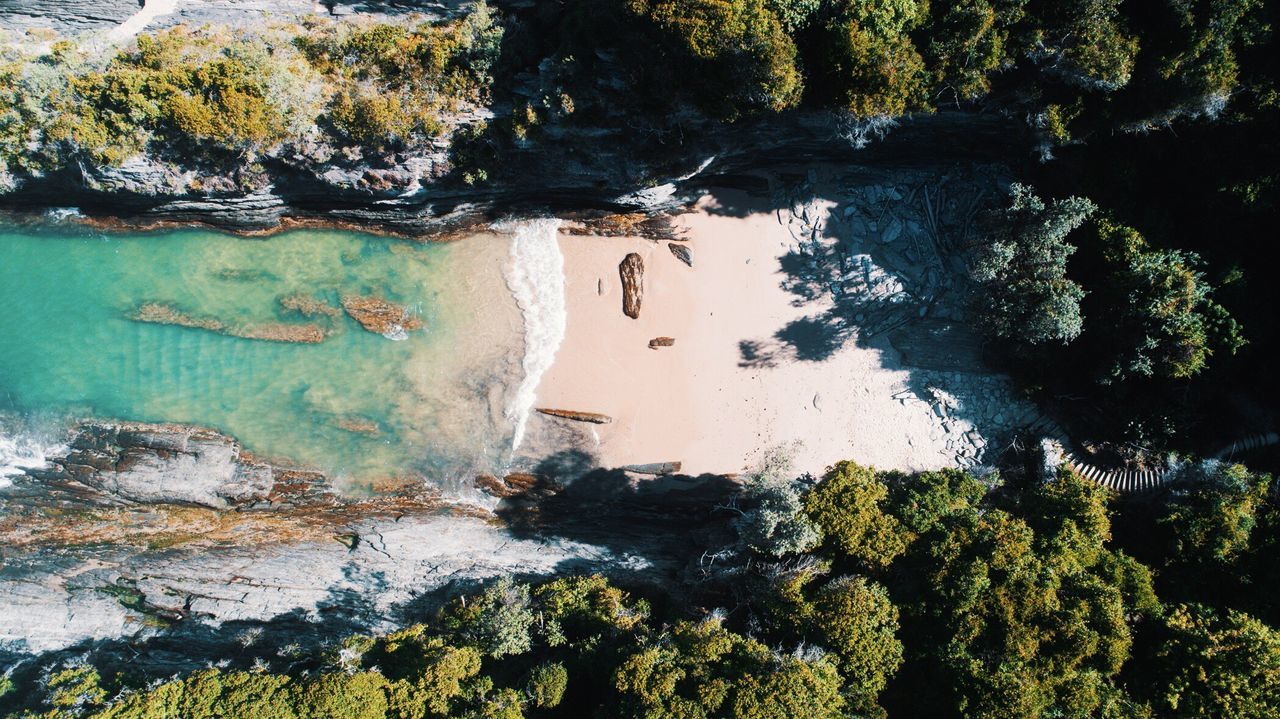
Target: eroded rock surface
{"points": [[381, 316], [157, 463], [163, 314]]}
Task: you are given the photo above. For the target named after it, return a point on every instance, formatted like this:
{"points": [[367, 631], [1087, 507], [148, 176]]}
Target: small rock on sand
{"points": [[682, 253], [632, 272], [657, 342]]}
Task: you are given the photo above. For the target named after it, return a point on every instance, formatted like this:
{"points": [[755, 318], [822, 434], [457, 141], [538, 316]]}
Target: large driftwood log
{"points": [[632, 272], [591, 417]]}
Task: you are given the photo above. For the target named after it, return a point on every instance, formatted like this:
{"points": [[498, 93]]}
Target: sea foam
{"points": [[536, 280], [19, 453]]}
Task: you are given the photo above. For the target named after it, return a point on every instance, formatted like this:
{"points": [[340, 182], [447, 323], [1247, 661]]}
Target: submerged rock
{"points": [[308, 306], [682, 253], [591, 417], [381, 316], [163, 314], [632, 272]]}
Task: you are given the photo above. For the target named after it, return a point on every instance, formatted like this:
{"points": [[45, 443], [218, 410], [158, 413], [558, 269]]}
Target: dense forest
{"points": [[866, 594]]}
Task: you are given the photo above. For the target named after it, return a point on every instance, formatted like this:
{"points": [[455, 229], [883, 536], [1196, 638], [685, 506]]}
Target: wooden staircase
{"points": [[1128, 481]]}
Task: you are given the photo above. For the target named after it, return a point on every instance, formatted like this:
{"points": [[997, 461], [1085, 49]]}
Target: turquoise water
{"points": [[356, 405]]}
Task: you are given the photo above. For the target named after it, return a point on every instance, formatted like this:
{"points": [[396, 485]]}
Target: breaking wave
{"points": [[536, 279], [19, 453]]}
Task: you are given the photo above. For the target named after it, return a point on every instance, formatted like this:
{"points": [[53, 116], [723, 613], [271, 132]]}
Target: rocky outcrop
{"points": [[658, 342], [522, 485], [591, 417], [632, 272], [381, 316], [682, 252], [308, 306], [164, 314], [109, 464]]}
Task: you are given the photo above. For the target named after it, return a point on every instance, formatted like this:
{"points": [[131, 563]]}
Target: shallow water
{"points": [[357, 405]]}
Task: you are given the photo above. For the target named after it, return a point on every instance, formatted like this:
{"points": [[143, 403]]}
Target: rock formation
{"points": [[164, 314], [632, 273], [308, 306], [381, 316], [682, 253], [129, 463]]}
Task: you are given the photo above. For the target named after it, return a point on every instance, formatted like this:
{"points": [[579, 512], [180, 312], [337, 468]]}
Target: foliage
{"points": [[969, 41], [848, 504], [1027, 298], [1218, 665], [777, 525], [704, 670], [498, 620], [745, 61], [1212, 517], [1085, 42], [853, 618], [869, 64], [1168, 323]]}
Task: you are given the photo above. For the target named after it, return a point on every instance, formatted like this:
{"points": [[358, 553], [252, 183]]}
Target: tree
{"points": [[1085, 42], [546, 684], [1026, 297], [776, 525], [850, 617], [848, 505], [499, 620], [1003, 620], [1215, 665], [924, 501], [704, 670], [1168, 323], [969, 40], [1211, 517], [744, 60], [867, 61]]}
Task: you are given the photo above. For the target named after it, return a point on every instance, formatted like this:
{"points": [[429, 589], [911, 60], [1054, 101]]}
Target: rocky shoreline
{"points": [[150, 532], [613, 181]]}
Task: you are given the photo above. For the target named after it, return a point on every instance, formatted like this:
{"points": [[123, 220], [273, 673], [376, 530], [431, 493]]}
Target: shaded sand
{"points": [[700, 401]]}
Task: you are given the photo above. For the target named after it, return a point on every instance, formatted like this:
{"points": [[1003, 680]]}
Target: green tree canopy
{"points": [[1027, 299]]}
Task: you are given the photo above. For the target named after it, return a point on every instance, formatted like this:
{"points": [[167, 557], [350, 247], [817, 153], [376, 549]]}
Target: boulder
{"points": [[381, 316], [682, 253], [632, 272]]}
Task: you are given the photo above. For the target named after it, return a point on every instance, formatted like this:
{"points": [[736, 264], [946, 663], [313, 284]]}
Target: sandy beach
{"points": [[705, 402]]}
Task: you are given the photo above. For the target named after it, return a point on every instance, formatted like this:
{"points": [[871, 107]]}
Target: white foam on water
{"points": [[536, 279], [19, 453]]}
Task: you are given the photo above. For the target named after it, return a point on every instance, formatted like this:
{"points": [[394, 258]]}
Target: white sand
{"points": [[695, 402]]}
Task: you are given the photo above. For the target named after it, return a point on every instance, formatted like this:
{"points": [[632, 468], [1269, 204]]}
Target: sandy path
{"points": [[699, 402]]}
